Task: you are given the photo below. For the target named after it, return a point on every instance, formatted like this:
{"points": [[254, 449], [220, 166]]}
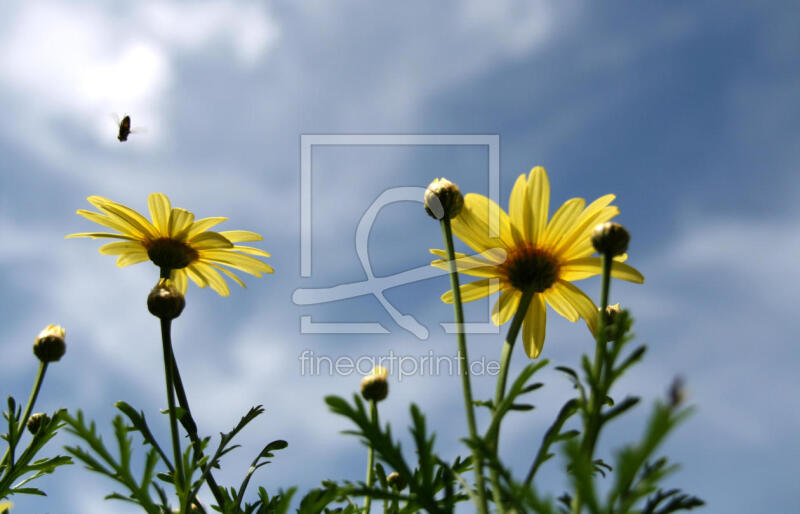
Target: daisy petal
{"points": [[203, 225], [237, 261], [160, 208], [213, 278], [180, 221], [582, 303], [578, 269], [519, 210], [209, 240], [135, 222], [475, 290], [112, 223], [539, 199], [533, 327], [127, 259], [472, 225], [229, 273], [586, 222], [196, 276], [467, 264], [563, 220], [585, 248], [241, 236], [95, 235], [251, 251], [557, 298], [506, 306], [121, 247], [484, 258], [178, 277]]}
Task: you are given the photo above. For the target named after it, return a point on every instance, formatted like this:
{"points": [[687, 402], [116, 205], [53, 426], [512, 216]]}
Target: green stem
{"points": [[373, 415], [166, 341], [463, 364], [600, 376], [191, 428], [12, 446], [502, 379], [599, 369]]}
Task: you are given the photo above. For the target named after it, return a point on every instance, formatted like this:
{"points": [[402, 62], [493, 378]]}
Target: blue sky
{"points": [[688, 111]]}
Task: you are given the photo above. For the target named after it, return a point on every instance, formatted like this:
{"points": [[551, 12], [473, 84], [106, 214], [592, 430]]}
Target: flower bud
{"points": [[193, 507], [375, 386], [443, 199], [610, 239], [396, 481], [612, 312], [165, 301], [50, 345], [37, 421]]}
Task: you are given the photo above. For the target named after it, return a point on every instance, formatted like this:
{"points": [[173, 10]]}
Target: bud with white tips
{"points": [[443, 199], [37, 421], [396, 481], [50, 345], [375, 386], [610, 239], [165, 301]]}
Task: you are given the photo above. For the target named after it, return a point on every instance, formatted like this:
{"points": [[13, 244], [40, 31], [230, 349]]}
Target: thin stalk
{"points": [[166, 342], [502, 379], [599, 369], [463, 364], [373, 418], [12, 446], [191, 428], [599, 372]]}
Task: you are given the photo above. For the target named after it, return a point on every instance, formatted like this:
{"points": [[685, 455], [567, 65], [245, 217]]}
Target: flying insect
{"points": [[125, 127]]}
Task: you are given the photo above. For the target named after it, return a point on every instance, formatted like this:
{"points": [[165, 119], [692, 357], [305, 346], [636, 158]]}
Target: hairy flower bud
{"points": [[395, 480], [443, 199], [375, 386], [610, 239], [165, 301], [37, 421], [50, 345]]}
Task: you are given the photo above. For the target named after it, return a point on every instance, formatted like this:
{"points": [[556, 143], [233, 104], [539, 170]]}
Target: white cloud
{"points": [[70, 66], [191, 26]]}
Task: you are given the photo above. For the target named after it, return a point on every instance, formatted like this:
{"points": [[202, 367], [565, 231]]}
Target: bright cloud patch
{"points": [[81, 62]]}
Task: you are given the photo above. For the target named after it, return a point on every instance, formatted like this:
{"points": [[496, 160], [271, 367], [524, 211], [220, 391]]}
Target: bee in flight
{"points": [[125, 127]]}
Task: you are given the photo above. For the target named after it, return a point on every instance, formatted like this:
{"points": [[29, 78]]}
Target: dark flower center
{"points": [[531, 267], [171, 254]]}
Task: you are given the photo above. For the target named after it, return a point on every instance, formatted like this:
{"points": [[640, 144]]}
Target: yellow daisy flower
{"points": [[531, 253], [175, 242]]}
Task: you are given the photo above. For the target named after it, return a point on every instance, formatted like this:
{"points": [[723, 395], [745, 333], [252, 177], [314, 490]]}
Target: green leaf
{"points": [[28, 490], [521, 406], [280, 444]]}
